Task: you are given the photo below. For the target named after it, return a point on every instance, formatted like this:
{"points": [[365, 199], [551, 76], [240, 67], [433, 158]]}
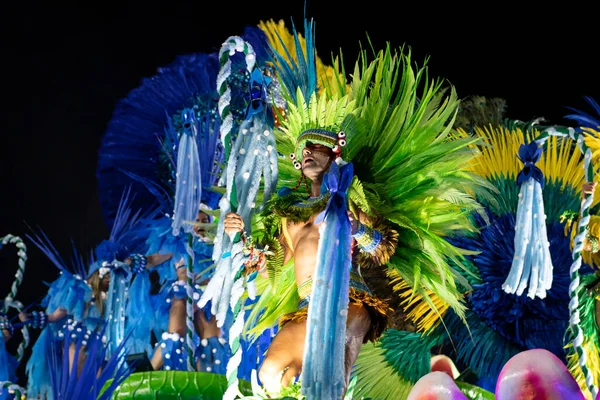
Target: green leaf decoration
{"points": [[175, 385]]}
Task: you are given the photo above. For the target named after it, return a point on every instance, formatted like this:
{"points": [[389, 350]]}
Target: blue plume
{"points": [[95, 372], [323, 371], [133, 144], [584, 119], [259, 42], [302, 74], [41, 240], [526, 323], [132, 140]]}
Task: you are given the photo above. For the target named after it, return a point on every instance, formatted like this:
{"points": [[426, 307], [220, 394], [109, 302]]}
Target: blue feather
{"points": [[303, 73], [95, 372], [522, 322], [133, 142], [584, 119], [77, 267]]}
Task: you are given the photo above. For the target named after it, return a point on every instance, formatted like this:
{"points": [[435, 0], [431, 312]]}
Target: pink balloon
{"points": [[536, 374], [436, 386]]}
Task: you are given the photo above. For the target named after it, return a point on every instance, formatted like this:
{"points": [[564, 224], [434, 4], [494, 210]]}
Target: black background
{"points": [[64, 68]]}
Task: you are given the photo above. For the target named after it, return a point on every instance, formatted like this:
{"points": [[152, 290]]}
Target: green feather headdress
{"points": [[322, 120]]}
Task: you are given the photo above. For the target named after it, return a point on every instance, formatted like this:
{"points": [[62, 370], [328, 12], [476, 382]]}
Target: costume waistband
{"points": [[356, 282]]}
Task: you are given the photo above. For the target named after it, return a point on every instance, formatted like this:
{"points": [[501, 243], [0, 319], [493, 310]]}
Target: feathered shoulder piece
{"points": [[297, 206], [413, 171]]}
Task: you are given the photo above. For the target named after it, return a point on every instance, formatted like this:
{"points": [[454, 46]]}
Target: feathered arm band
{"points": [[376, 244]]}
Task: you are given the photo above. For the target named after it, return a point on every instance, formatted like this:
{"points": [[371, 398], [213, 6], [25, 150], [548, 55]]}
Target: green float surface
{"points": [[175, 385]]}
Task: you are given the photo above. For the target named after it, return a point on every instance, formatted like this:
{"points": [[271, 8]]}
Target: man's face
{"points": [[203, 219], [316, 160]]}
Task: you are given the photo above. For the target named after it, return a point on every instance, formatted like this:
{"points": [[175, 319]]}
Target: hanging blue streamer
{"points": [[532, 264], [188, 187], [323, 372], [116, 306], [139, 311]]}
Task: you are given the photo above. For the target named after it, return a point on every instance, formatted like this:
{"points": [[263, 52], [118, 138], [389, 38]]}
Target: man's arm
{"points": [[260, 254], [376, 241]]}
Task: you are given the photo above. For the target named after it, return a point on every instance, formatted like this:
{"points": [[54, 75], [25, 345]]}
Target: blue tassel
{"points": [[323, 372], [188, 188], [139, 311], [115, 309], [532, 264], [39, 384]]}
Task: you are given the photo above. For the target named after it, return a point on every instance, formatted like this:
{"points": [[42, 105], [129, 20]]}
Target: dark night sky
{"points": [[64, 69]]}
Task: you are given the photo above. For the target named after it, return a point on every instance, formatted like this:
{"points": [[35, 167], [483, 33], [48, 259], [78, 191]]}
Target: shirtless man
{"points": [[283, 361]]}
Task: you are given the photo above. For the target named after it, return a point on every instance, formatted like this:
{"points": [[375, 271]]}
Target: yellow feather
{"points": [[561, 161], [418, 310]]}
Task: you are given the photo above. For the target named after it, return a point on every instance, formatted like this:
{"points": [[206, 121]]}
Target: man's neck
{"points": [[315, 188]]}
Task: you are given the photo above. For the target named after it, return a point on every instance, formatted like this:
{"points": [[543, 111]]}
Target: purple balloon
{"points": [[436, 386], [536, 374]]}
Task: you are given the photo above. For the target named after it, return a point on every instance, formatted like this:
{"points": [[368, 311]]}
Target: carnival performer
{"points": [[89, 299], [378, 194], [210, 355]]}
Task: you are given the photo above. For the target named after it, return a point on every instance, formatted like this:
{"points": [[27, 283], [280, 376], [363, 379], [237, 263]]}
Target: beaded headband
{"points": [[334, 141]]}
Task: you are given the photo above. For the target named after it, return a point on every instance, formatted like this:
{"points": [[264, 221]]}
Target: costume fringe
{"points": [[378, 309]]}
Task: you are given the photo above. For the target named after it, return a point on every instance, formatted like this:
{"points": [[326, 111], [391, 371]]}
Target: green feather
{"points": [[376, 378]]}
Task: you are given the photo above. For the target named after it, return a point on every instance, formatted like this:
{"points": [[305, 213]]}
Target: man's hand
{"points": [[588, 188], [233, 224], [24, 316]]}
